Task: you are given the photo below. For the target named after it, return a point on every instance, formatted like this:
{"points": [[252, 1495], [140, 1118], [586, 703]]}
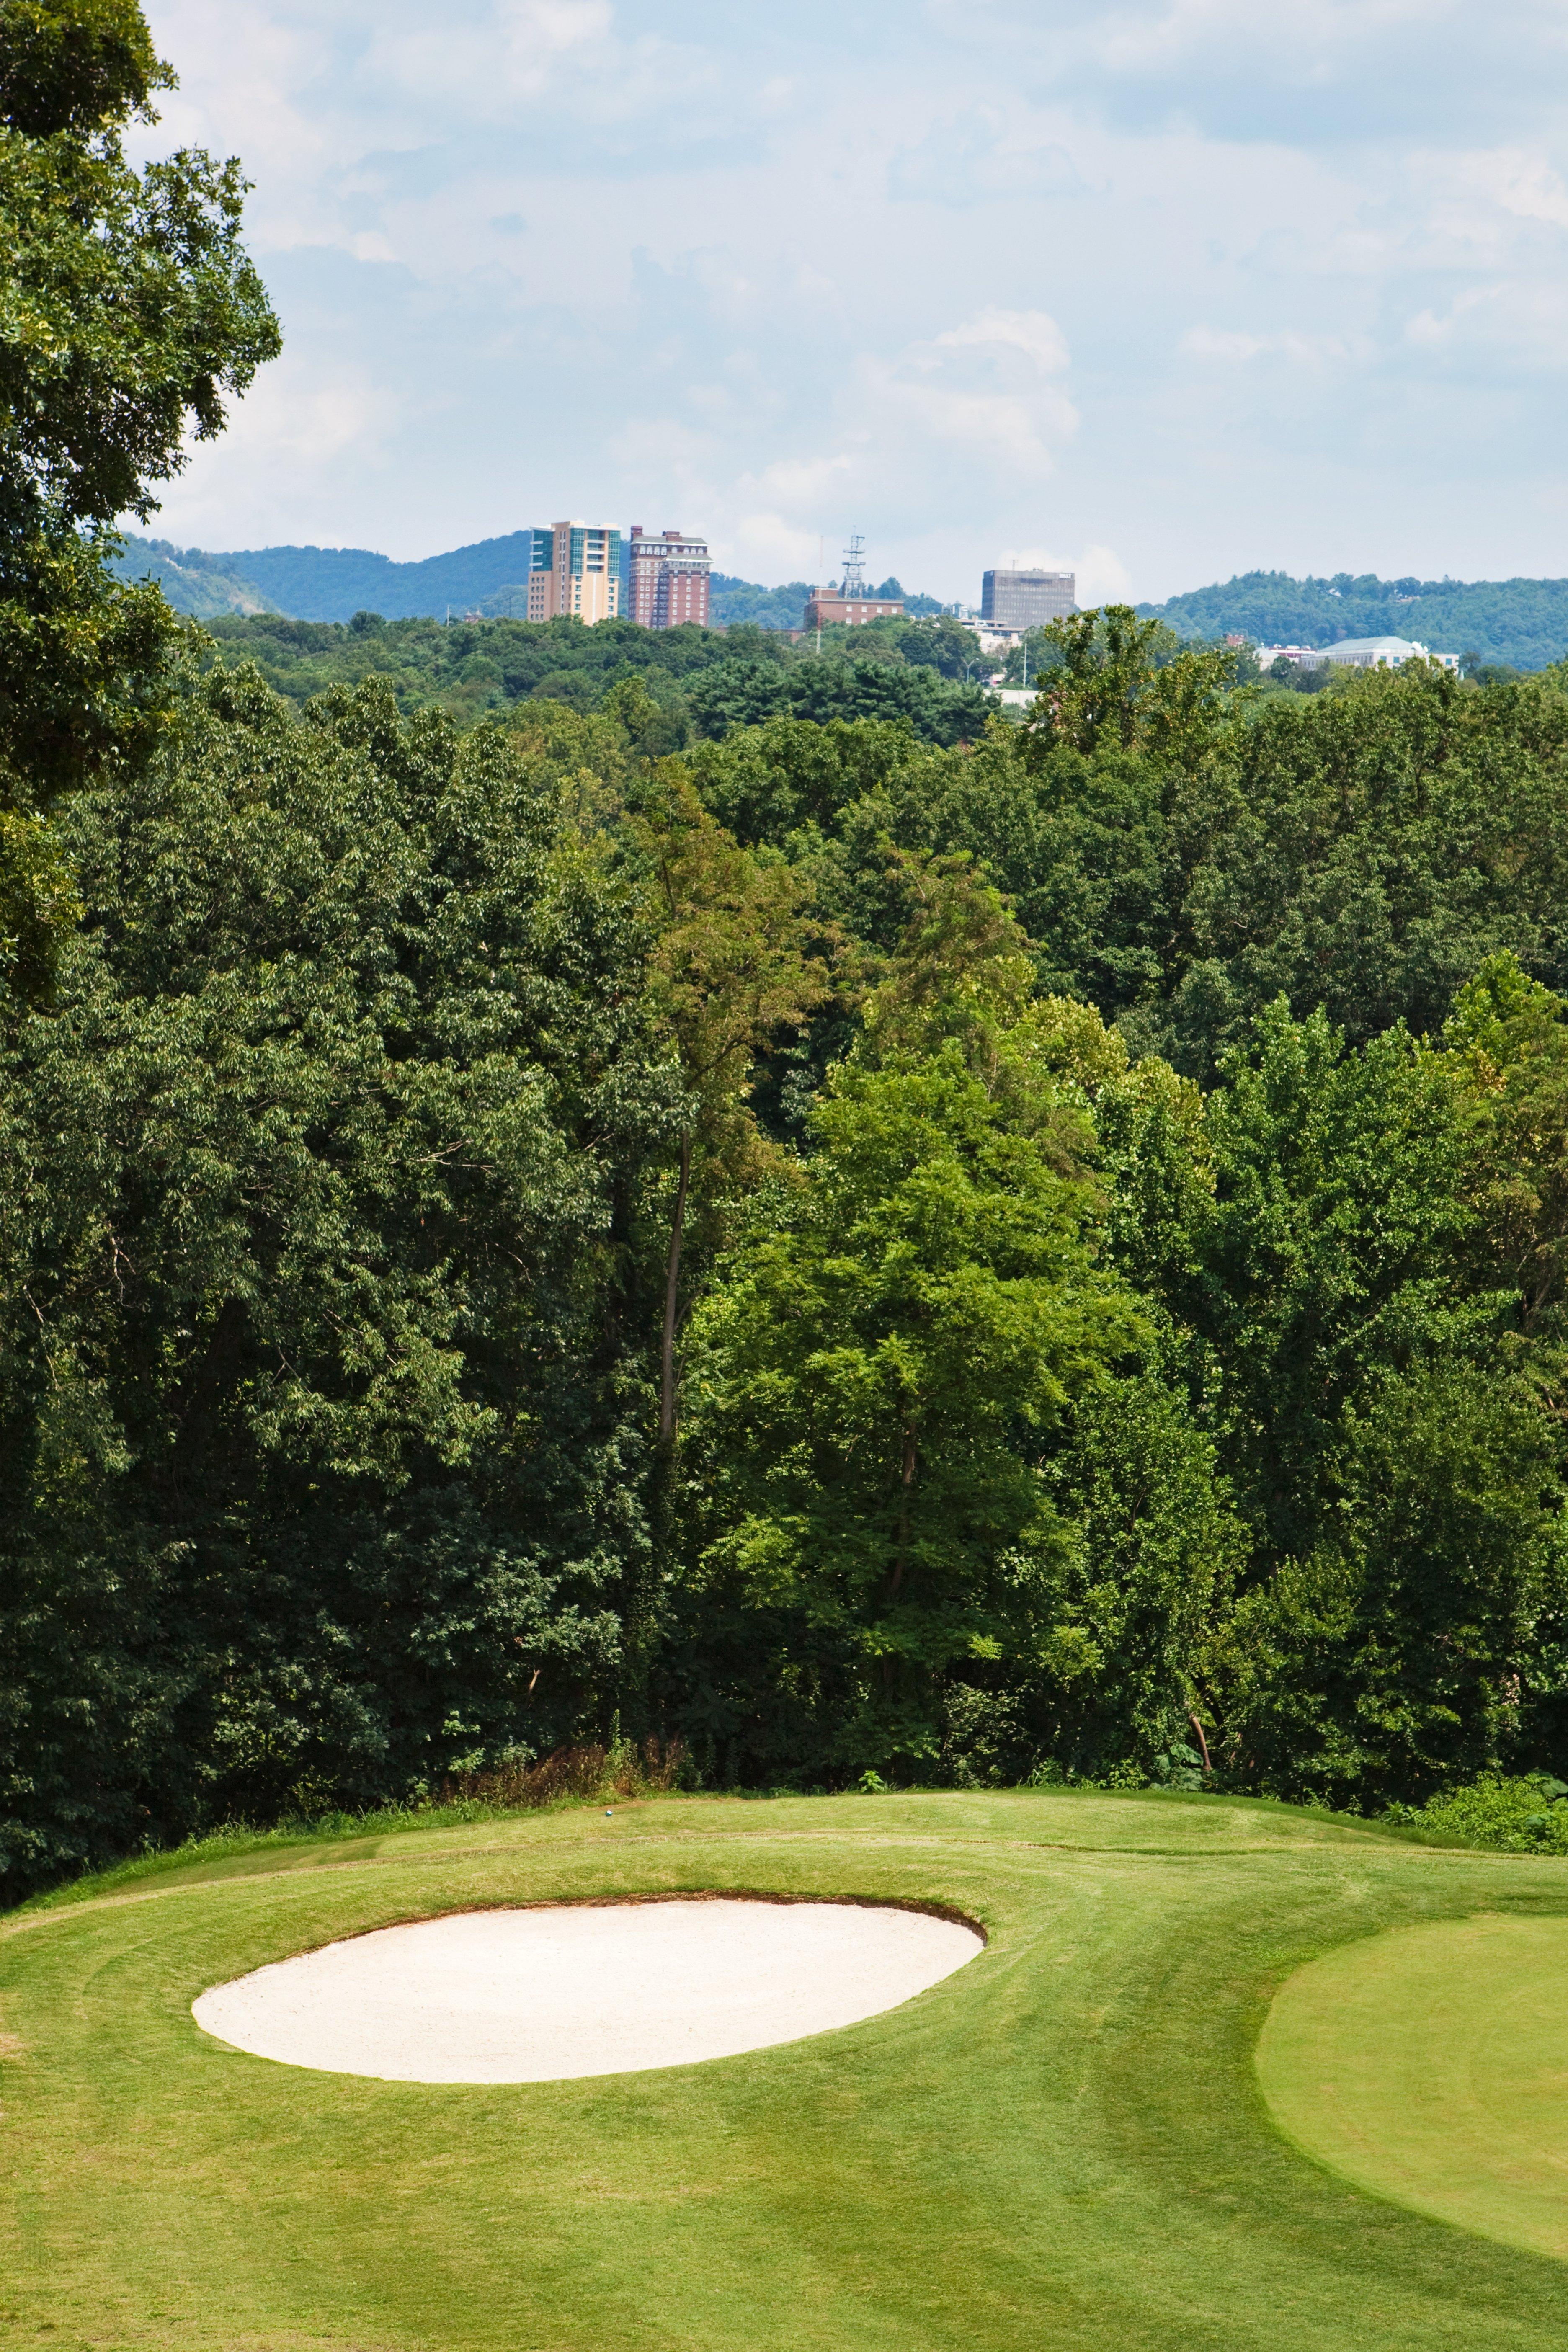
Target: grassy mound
{"points": [[1063, 2143]]}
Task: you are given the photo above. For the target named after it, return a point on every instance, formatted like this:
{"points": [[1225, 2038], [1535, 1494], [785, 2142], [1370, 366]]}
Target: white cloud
{"points": [[1034, 332], [930, 273], [511, 54], [1329, 72], [500, 60], [772, 548], [1161, 37], [973, 159], [1099, 574], [803, 484], [1432, 331], [1510, 325], [1528, 187], [292, 424], [981, 391], [1236, 348]]}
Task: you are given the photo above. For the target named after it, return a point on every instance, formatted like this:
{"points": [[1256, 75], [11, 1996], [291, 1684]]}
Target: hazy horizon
{"points": [[1145, 290]]}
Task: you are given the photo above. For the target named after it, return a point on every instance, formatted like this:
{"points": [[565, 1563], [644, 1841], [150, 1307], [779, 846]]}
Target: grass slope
{"points": [[1064, 2143], [202, 586]]}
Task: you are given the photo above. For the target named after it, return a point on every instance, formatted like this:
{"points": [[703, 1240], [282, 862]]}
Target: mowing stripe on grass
{"points": [[1061, 2145]]}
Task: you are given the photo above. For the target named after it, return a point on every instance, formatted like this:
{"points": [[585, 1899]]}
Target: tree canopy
{"points": [[799, 1243]]}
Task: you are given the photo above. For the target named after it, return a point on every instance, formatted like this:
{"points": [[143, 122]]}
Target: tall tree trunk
{"points": [[642, 1602], [672, 1285], [901, 1556]]}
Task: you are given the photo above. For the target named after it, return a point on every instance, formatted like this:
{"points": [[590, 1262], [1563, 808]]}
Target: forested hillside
{"points": [[202, 586], [1518, 624], [332, 584], [735, 603], [505, 1233]]}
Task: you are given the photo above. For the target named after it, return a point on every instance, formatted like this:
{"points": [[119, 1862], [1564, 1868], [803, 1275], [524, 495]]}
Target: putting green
{"points": [[1430, 2065], [1062, 2143]]}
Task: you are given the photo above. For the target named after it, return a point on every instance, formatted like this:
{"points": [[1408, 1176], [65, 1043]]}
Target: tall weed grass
{"points": [[622, 1770]]}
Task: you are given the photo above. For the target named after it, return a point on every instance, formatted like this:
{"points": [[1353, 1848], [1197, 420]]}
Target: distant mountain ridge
{"points": [[333, 583], [1521, 623], [203, 586]]}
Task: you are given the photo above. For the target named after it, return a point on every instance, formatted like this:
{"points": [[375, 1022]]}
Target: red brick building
{"points": [[668, 579], [825, 606], [849, 602]]}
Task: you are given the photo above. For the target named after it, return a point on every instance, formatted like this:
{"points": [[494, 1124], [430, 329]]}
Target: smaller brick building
{"points": [[825, 606]]}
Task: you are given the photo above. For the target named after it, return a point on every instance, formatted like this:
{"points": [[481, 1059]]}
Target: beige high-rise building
{"points": [[577, 571]]}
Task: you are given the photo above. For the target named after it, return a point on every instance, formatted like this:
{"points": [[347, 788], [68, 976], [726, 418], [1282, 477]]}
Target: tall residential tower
{"points": [[666, 579], [576, 570]]}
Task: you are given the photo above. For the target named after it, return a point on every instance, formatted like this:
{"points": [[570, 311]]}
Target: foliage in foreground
{"points": [[320, 1438], [129, 313], [506, 1228]]}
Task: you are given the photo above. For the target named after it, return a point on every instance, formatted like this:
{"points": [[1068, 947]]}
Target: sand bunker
{"points": [[542, 1996]]}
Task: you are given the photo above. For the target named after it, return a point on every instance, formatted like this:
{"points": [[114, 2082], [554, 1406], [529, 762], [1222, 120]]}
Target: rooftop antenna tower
{"points": [[855, 566]]}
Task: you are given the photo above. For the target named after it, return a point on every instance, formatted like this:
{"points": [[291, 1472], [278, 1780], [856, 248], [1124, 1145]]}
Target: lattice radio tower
{"points": [[854, 566]]}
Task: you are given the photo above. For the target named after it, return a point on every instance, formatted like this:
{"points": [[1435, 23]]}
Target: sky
{"points": [[1158, 289]]}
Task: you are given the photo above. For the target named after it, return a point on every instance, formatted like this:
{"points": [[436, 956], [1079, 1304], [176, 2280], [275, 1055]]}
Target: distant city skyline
{"points": [[1133, 289]]}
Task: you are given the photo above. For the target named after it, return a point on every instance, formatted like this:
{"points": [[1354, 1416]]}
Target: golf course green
{"points": [[1430, 2065], [1077, 2140]]}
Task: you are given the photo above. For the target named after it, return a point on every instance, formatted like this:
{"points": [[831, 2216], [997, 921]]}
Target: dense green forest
{"points": [[740, 1198], [953, 1262], [1513, 624]]}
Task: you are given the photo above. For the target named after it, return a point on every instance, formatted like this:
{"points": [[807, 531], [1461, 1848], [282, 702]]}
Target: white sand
{"points": [[540, 1996]]}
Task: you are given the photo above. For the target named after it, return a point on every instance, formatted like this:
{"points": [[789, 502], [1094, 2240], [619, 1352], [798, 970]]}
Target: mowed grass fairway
{"points": [[1063, 2145]]}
